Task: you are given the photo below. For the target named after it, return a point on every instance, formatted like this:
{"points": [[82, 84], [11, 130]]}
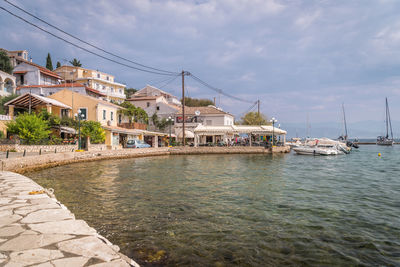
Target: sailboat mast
{"points": [[345, 123], [387, 121]]}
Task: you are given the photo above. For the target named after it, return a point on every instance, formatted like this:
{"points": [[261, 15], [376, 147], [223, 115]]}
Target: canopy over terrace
{"points": [[31, 101], [229, 131]]}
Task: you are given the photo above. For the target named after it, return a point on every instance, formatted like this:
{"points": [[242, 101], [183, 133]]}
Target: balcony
{"points": [[133, 125]]}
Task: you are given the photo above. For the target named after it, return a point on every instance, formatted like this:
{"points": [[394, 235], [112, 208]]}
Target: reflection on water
{"points": [[246, 210]]}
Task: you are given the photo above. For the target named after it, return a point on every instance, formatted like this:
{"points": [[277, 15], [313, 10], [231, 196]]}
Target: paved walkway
{"points": [[37, 230]]}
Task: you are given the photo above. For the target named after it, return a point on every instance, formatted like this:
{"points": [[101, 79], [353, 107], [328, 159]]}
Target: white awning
{"points": [[238, 129], [188, 134]]}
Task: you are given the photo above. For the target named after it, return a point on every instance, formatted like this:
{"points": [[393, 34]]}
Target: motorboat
{"points": [[316, 150]]}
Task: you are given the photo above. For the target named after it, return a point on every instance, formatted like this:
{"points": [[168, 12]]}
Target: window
{"points": [[104, 87], [19, 54], [112, 115], [98, 75], [120, 91], [64, 113], [104, 114], [83, 113], [148, 104], [112, 90], [158, 108], [119, 118], [108, 78]]}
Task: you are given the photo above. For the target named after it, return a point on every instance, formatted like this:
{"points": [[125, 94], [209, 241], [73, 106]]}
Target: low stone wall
{"points": [[97, 147], [37, 148], [25, 164], [36, 229], [228, 150]]}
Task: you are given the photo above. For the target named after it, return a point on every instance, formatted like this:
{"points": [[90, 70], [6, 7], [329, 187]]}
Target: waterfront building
{"points": [[206, 116], [204, 134], [100, 81], [7, 84], [108, 114], [47, 90]]}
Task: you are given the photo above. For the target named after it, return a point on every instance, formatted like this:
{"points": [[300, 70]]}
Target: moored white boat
{"points": [[315, 150]]}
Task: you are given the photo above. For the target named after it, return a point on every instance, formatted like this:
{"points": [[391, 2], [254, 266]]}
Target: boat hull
{"points": [[385, 143]]}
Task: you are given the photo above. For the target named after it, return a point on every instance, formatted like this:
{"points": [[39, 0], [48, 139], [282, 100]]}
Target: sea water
{"points": [[243, 210]]}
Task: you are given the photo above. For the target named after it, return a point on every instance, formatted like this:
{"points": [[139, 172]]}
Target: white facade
{"points": [[151, 91], [27, 73], [7, 84]]}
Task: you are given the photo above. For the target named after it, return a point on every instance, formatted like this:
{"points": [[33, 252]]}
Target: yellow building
{"points": [[106, 113], [103, 82]]}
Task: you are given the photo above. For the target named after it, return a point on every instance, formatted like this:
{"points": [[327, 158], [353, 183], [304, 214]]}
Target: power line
{"points": [[248, 110], [218, 90], [85, 42], [170, 81], [84, 49]]}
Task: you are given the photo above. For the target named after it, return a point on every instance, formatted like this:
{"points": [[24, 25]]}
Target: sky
{"points": [[299, 58]]}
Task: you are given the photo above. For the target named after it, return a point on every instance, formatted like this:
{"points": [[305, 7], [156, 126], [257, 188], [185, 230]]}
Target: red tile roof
{"points": [[141, 98], [43, 69], [19, 72], [64, 85]]}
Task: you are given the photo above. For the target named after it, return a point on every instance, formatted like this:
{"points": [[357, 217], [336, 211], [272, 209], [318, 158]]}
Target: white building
{"points": [[29, 73], [7, 84], [151, 91], [195, 116]]}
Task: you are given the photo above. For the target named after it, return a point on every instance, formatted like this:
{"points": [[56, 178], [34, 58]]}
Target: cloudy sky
{"points": [[297, 57]]}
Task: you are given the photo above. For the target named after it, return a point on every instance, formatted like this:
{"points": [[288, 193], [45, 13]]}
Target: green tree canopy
{"points": [[58, 64], [130, 91], [194, 102], [93, 130], [253, 118], [49, 63], [135, 114], [53, 120], [160, 124], [5, 63], [5, 99], [75, 62], [29, 127]]}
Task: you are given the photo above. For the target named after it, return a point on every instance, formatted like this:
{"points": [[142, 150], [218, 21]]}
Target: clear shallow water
{"points": [[244, 210]]}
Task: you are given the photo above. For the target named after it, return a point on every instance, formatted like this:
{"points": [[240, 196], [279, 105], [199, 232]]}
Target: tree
{"points": [[135, 114], [93, 130], [49, 63], [194, 102], [130, 91], [29, 127], [50, 118], [58, 64], [160, 124], [253, 118], [5, 63], [75, 62], [5, 99]]}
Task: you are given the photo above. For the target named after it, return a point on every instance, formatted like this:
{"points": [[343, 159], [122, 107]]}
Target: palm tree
{"points": [[75, 62]]}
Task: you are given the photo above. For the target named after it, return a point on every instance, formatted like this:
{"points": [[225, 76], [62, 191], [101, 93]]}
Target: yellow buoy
{"points": [[379, 154]]}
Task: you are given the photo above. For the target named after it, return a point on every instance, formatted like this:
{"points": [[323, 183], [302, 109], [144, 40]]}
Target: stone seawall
{"points": [[36, 229]]}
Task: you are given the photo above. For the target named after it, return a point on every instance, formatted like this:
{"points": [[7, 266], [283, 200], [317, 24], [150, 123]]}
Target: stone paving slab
{"points": [[37, 230]]}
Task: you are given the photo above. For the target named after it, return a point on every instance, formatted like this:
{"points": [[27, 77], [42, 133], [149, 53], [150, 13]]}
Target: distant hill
{"points": [[362, 129]]}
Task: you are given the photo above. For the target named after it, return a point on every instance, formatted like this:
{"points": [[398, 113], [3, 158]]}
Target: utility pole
{"points": [[183, 107]]}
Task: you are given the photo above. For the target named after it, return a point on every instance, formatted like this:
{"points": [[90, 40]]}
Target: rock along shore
{"points": [[37, 230]]}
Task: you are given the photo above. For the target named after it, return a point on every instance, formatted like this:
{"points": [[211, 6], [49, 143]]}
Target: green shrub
{"points": [[93, 130], [29, 127]]}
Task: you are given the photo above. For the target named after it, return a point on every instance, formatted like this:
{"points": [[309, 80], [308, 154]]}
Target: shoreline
{"points": [[33, 163], [35, 228]]}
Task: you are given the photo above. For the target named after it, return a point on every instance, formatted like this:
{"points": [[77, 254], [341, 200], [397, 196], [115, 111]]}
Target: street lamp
{"points": [[169, 120], [273, 120], [79, 115]]}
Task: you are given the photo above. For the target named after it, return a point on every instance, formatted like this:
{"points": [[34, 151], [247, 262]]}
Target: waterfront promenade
{"points": [[35, 229]]}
